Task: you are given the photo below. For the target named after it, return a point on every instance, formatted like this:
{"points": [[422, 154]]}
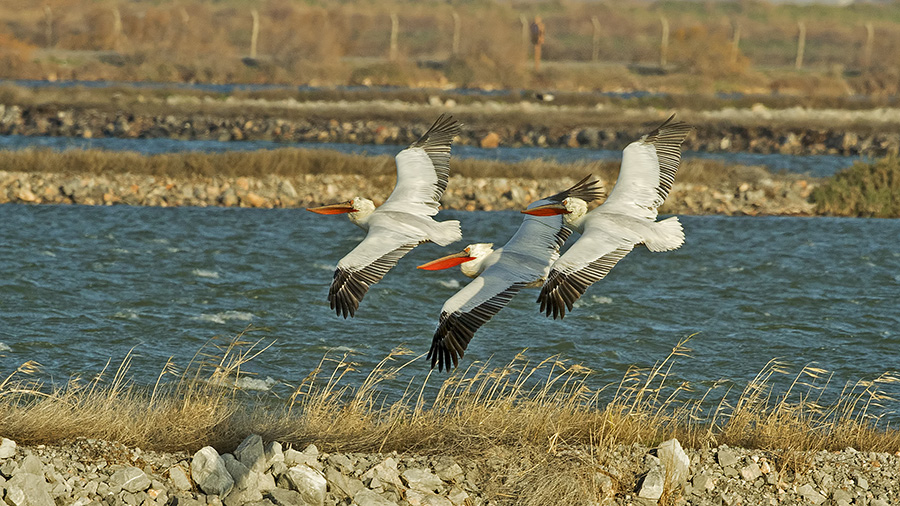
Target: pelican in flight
{"points": [[627, 218], [400, 224], [499, 274]]}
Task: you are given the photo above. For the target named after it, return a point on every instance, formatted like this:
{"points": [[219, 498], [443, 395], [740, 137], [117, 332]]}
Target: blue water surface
{"points": [[82, 285]]}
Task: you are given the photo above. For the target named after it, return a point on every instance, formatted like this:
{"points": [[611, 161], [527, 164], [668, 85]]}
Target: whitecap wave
{"points": [[5, 347], [205, 273], [126, 315], [247, 383], [323, 267], [225, 317], [452, 283]]}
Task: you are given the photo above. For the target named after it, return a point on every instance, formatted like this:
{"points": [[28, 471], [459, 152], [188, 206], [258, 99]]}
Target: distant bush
{"points": [[14, 54], [707, 51], [865, 189]]}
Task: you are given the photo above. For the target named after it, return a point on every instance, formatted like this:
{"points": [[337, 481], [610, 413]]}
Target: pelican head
{"points": [[471, 260], [358, 209], [573, 209]]}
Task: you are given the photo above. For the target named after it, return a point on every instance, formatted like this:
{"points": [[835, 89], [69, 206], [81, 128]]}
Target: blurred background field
{"points": [[676, 47]]}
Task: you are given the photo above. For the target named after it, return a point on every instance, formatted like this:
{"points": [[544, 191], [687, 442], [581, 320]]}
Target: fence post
{"points": [[664, 42], [595, 54], [870, 40], [48, 29], [735, 42], [526, 37], [801, 44], [117, 28], [457, 29], [395, 28], [254, 34]]}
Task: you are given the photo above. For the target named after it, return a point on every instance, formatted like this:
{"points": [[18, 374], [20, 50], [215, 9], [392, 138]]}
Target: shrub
{"points": [[865, 189]]}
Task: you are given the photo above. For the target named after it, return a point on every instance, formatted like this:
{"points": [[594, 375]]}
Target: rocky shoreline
{"points": [[88, 472], [713, 133], [765, 197]]}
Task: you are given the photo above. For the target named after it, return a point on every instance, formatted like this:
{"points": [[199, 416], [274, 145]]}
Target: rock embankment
{"points": [[89, 472], [765, 197], [714, 135]]}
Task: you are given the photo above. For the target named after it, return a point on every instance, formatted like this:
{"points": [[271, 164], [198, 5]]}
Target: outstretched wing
{"points": [[587, 261], [648, 171], [464, 313], [585, 190], [524, 260], [365, 265], [423, 170]]}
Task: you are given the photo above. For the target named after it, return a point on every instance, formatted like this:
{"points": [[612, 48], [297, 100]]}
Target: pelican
{"points": [[627, 218], [400, 224], [499, 274]]}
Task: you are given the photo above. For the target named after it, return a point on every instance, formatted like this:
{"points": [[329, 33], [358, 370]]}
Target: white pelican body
{"points": [[627, 218], [499, 274], [400, 224]]}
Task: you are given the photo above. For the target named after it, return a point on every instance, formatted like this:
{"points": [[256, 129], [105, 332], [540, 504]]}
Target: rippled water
{"points": [[814, 165], [81, 285]]}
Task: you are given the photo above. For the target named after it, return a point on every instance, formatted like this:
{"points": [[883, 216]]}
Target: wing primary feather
{"points": [[350, 285], [562, 289], [436, 143], [667, 139], [585, 190], [455, 330]]}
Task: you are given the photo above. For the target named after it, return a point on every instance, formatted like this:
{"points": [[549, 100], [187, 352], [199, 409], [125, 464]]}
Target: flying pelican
{"points": [[499, 274], [627, 218], [402, 222]]}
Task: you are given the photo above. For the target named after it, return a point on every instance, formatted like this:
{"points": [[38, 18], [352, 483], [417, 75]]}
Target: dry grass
{"points": [[194, 41], [292, 162], [524, 419]]}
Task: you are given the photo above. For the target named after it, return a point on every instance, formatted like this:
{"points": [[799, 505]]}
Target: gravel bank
{"points": [[89, 472], [766, 197], [755, 130]]}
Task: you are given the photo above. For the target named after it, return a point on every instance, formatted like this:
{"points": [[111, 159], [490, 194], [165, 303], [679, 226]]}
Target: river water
{"points": [[83, 285]]}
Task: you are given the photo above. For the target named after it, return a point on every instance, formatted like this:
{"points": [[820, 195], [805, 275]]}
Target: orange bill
{"points": [[343, 207], [447, 261], [547, 210]]}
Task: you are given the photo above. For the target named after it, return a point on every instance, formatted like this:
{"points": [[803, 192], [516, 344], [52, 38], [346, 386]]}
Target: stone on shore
{"points": [[252, 454], [130, 479], [95, 473], [675, 461], [311, 485], [209, 472], [7, 448]]}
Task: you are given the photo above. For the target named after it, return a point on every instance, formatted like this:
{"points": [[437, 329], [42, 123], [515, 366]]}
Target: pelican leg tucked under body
{"points": [[627, 218], [499, 274], [400, 224]]}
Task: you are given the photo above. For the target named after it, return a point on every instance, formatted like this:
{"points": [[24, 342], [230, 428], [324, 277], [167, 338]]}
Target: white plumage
{"points": [[627, 218], [499, 274], [400, 224]]}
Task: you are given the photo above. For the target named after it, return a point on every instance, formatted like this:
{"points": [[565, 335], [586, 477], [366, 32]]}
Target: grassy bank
{"points": [[294, 162], [301, 178], [866, 189], [523, 410]]}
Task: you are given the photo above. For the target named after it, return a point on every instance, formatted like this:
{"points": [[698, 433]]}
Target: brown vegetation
{"points": [[292, 162], [517, 413], [711, 44]]}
